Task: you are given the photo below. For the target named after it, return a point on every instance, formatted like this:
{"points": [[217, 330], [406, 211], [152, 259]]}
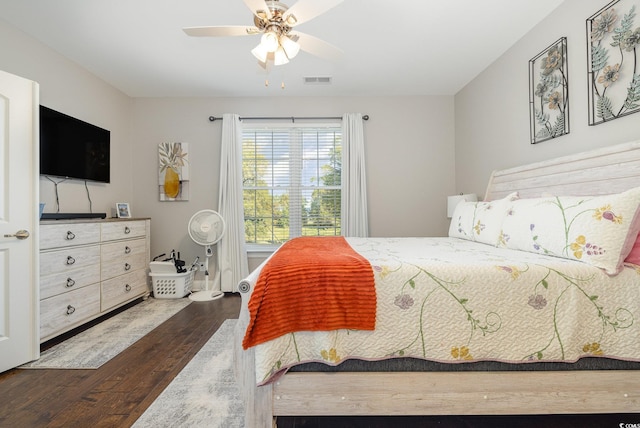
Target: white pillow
{"points": [[599, 230], [461, 220], [481, 221]]}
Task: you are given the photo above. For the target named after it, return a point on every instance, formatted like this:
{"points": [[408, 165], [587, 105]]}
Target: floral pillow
{"points": [[480, 221], [598, 230]]}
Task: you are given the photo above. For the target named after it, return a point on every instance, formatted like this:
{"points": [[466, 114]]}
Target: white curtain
{"points": [[232, 253], [354, 184]]}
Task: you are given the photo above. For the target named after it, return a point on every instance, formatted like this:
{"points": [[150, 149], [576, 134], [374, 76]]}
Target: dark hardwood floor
{"points": [[117, 393]]}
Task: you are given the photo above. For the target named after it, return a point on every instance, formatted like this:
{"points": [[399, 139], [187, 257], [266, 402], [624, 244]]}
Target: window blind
{"points": [[291, 182]]}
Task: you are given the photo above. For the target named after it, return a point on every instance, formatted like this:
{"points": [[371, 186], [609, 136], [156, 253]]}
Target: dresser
{"points": [[89, 268]]}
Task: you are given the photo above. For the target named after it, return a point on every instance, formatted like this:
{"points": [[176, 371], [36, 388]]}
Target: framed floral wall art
{"points": [[613, 49], [549, 93], [173, 171]]}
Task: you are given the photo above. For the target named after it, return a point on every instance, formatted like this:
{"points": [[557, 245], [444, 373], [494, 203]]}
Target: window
{"points": [[291, 182]]}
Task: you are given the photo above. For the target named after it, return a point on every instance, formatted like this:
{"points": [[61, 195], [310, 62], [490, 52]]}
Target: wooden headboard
{"points": [[598, 172]]}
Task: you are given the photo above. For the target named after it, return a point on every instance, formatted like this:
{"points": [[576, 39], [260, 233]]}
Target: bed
{"points": [[587, 359]]}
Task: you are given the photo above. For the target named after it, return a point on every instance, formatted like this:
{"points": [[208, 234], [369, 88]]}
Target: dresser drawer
{"points": [[68, 234], [67, 310], [123, 288], [122, 257], [123, 230], [51, 285], [122, 249], [67, 260]]}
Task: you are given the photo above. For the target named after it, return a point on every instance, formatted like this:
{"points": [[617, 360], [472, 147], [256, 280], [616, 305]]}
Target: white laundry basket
{"points": [[171, 285]]}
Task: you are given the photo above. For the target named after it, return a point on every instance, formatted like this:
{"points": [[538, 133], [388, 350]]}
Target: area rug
{"points": [[100, 343], [205, 393]]}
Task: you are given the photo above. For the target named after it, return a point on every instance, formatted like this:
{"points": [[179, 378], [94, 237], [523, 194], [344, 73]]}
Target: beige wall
{"points": [[66, 87], [492, 112], [419, 149], [409, 146], [409, 154]]}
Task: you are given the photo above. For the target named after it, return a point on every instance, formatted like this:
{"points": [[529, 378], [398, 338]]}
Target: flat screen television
{"points": [[72, 148]]}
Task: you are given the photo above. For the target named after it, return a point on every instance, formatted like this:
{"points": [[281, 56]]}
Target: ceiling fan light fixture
{"points": [[280, 57], [274, 20], [260, 52], [290, 47], [270, 41]]}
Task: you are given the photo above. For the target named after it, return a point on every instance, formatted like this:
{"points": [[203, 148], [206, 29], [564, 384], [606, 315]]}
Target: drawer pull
{"points": [[70, 283], [70, 260], [127, 266], [127, 288], [70, 235], [127, 230], [127, 249], [70, 310]]}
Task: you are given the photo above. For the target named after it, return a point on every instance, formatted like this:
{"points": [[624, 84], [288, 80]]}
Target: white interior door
{"points": [[19, 168]]}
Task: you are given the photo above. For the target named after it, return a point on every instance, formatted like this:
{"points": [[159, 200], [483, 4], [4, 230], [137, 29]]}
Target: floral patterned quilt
{"points": [[451, 300]]}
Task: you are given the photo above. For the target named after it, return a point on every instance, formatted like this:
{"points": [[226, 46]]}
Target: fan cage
{"points": [[201, 237]]}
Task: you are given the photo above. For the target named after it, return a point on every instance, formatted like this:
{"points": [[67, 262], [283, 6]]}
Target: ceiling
{"points": [[399, 47]]}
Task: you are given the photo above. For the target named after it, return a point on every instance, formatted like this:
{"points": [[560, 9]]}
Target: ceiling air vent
{"points": [[317, 80]]}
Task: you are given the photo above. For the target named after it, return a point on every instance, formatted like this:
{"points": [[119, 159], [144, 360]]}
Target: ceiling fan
{"points": [[276, 22]]}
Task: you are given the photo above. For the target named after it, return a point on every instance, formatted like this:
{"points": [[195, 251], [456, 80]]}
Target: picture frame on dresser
{"points": [[123, 210]]}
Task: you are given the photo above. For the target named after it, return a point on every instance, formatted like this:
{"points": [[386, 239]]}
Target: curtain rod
{"points": [[291, 118]]}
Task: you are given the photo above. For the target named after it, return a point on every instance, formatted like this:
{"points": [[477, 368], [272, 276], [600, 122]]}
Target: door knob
{"points": [[21, 234]]}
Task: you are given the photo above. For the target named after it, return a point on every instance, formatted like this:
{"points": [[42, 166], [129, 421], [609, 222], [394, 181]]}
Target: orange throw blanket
{"points": [[311, 284]]}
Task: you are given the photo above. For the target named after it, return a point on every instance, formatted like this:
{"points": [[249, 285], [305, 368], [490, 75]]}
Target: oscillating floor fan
{"points": [[206, 228]]}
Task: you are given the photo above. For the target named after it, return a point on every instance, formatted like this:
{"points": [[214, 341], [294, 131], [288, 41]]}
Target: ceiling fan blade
{"points": [[305, 10], [257, 6], [223, 31], [318, 47]]}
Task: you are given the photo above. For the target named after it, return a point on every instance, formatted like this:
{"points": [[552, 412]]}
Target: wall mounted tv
{"points": [[71, 148]]}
